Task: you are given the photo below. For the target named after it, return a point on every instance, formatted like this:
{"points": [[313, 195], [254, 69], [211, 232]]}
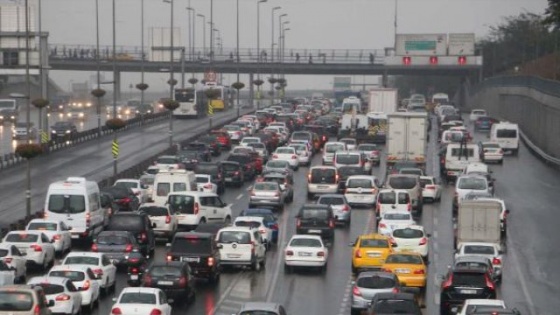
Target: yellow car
{"points": [[369, 252], [408, 267]]}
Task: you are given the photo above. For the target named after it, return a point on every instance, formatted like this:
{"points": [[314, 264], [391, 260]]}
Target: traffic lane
{"points": [[91, 160]]}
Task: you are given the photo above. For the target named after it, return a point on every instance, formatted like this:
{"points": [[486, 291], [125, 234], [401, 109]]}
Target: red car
{"points": [[223, 138]]}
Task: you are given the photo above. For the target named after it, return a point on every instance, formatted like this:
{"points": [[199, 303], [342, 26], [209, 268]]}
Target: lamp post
{"points": [[272, 55], [203, 32], [259, 32], [280, 24], [237, 51], [98, 105], [27, 112], [115, 84], [211, 32], [280, 42], [191, 33], [192, 25], [171, 71], [142, 61]]}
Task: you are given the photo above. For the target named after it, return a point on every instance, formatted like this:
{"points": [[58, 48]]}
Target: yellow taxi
{"points": [[369, 251], [409, 267]]}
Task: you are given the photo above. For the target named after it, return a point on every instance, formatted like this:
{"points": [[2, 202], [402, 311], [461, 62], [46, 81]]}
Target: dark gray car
{"points": [[117, 245]]}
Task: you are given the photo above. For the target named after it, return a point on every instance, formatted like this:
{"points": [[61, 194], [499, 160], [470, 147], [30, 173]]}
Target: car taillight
{"points": [[289, 253], [423, 241], [331, 224], [294, 157], [62, 297], [252, 248], [262, 231], [207, 186], [8, 260], [356, 291], [196, 208], [358, 254], [382, 225], [156, 311], [430, 187], [98, 271], [147, 280], [94, 247], [496, 261], [321, 254], [116, 311], [409, 207], [134, 270], [419, 272], [86, 285], [298, 223], [447, 283], [346, 208], [36, 248], [182, 282], [489, 283], [274, 156], [37, 310], [88, 220], [143, 237], [125, 200], [210, 261], [128, 248], [57, 237], [395, 290], [274, 226], [168, 219], [236, 173]]}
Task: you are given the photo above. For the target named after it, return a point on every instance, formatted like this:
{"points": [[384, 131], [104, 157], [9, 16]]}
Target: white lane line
{"points": [[239, 197], [279, 248], [515, 261], [435, 235], [250, 187], [435, 223], [226, 293]]}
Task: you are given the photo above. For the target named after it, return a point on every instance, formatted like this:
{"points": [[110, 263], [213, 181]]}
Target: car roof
{"points": [[384, 274], [315, 206], [84, 254], [194, 234], [45, 221], [140, 290], [249, 218], [370, 177], [374, 236], [260, 306], [258, 210]]}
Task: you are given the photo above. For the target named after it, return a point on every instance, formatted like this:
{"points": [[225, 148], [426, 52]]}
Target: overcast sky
{"points": [[314, 24]]}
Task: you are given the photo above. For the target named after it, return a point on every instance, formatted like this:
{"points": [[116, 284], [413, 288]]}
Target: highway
{"points": [[528, 186]]}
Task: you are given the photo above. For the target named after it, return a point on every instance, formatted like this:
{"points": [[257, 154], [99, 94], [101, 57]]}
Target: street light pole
{"points": [[115, 85], [211, 31], [28, 112], [280, 31], [203, 33], [189, 9], [98, 105], [280, 43], [171, 71], [237, 54], [272, 56], [259, 31], [192, 24], [143, 60]]}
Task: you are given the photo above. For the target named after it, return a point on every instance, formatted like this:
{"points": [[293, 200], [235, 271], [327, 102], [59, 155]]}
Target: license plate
{"points": [[402, 270], [374, 255], [322, 187], [233, 255], [468, 291], [191, 259], [314, 231], [229, 179], [304, 254], [133, 277], [165, 282]]}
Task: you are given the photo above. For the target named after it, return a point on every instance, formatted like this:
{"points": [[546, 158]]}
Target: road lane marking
{"points": [[226, 292], [515, 261], [279, 247], [239, 197]]}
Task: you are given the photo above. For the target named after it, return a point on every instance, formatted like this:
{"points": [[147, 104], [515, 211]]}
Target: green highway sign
{"points": [[420, 45]]}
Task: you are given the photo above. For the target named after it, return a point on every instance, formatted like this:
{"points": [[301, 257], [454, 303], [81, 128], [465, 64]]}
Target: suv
{"points": [[139, 225], [247, 163], [410, 183], [197, 207], [215, 170], [199, 250], [24, 300], [348, 158], [322, 180], [461, 284], [233, 173], [368, 284], [316, 219], [241, 246]]}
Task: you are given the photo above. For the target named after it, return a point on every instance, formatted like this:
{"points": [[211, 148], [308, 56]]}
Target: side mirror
{"points": [[114, 299], [154, 225]]}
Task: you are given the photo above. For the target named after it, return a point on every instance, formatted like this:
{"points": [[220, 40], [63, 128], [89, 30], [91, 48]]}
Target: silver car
{"points": [[277, 166], [340, 206], [370, 283], [266, 194]]}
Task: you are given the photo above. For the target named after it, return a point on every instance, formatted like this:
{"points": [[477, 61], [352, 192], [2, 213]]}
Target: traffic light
{"points": [[433, 60], [406, 60], [462, 60]]}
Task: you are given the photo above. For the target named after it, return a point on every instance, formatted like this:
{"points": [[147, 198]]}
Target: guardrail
{"points": [[538, 151], [11, 159]]}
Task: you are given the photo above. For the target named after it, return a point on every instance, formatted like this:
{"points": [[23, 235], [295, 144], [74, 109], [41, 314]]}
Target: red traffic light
{"points": [[406, 60], [433, 60], [462, 60]]}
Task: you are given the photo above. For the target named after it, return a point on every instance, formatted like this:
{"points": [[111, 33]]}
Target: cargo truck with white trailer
{"points": [[383, 100], [479, 221], [407, 138]]}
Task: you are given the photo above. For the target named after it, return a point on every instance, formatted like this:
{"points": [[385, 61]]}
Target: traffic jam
{"points": [[178, 225]]}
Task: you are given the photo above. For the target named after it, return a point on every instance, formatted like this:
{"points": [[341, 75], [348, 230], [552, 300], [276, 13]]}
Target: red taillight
{"points": [[94, 247], [430, 187], [125, 200], [262, 231], [207, 186], [289, 253], [419, 272], [88, 219], [447, 283], [409, 207], [36, 248], [8, 260], [356, 291], [490, 284], [324, 138], [37, 310], [86, 286], [346, 208], [144, 236], [331, 224], [116, 311], [496, 261], [382, 225], [57, 237], [395, 290], [210, 261], [156, 311], [62, 297], [274, 227], [169, 257], [98, 271], [298, 223], [358, 254], [321, 254], [134, 271], [274, 156], [128, 248], [147, 280], [196, 208], [168, 219], [294, 157], [183, 282], [423, 241]]}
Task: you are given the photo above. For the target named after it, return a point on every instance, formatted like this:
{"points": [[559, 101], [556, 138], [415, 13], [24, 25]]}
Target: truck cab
{"points": [[8, 110]]}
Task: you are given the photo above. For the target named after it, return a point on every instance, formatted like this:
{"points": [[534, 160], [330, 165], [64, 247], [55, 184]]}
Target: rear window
{"points": [[425, 181], [301, 136], [266, 186], [3, 252], [305, 242], [396, 216], [22, 238], [334, 148], [408, 233], [376, 282], [166, 161], [49, 288], [250, 140], [321, 214], [241, 159], [70, 274], [372, 243], [230, 167], [191, 245], [472, 183], [43, 226], [112, 240], [181, 204], [202, 179], [395, 307], [367, 147], [285, 150], [347, 159], [469, 279], [240, 237], [163, 189], [206, 169], [457, 152], [323, 175], [402, 182], [15, 301], [480, 250], [331, 201], [126, 223], [387, 198], [411, 172], [359, 183], [506, 133], [126, 185], [154, 211], [138, 298], [471, 265], [404, 259], [76, 260], [162, 271], [67, 204]]}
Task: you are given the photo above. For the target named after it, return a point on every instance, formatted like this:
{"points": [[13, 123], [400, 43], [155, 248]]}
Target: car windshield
{"points": [[472, 183], [374, 243], [394, 306], [506, 133], [42, 226], [241, 159], [195, 245], [162, 271], [376, 282], [70, 274], [112, 240], [67, 203], [305, 242], [387, 198], [474, 309], [138, 298], [408, 233], [471, 265], [250, 140], [126, 223], [402, 182], [81, 260], [231, 166], [257, 145], [14, 301], [310, 213], [232, 128], [367, 147], [207, 169], [396, 216], [479, 249], [21, 238], [126, 184], [411, 171], [147, 180], [426, 181], [335, 201], [469, 279], [347, 159], [240, 237], [301, 136], [359, 183], [404, 259]]}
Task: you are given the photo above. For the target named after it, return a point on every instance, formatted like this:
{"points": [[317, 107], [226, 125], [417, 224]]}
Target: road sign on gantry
{"points": [[210, 76]]}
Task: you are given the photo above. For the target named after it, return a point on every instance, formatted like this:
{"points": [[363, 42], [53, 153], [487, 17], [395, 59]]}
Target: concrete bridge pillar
{"points": [[385, 79], [117, 79]]}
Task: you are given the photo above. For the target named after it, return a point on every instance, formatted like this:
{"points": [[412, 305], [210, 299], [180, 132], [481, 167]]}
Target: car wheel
{"points": [[256, 266], [324, 269], [287, 269], [227, 220], [354, 270], [263, 262], [355, 312]]}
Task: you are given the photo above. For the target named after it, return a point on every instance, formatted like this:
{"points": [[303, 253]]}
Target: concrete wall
{"points": [[536, 110]]}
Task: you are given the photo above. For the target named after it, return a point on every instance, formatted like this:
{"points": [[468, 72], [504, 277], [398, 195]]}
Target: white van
{"points": [[170, 181], [76, 202], [458, 156], [507, 135], [196, 207]]}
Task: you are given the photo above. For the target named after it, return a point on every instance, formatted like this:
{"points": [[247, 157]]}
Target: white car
{"points": [[241, 246], [246, 140], [254, 119], [329, 150], [83, 279], [471, 304], [411, 238], [303, 153], [475, 113], [139, 189], [392, 200], [257, 223], [67, 299], [11, 255], [361, 190], [394, 220], [351, 143], [431, 189], [148, 181], [204, 183], [260, 148], [287, 154], [486, 250], [164, 223], [242, 150], [470, 185], [141, 301], [35, 245], [99, 263], [280, 131], [168, 162], [492, 152], [235, 133], [305, 251], [56, 231]]}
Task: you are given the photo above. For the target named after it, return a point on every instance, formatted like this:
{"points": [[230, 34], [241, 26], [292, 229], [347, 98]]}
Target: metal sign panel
{"points": [[461, 44], [342, 83], [210, 76], [421, 45]]}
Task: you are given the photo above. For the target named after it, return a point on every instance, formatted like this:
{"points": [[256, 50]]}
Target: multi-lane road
{"points": [[529, 187]]}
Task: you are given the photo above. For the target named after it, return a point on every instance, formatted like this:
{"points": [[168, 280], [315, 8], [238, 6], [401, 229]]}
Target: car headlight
{"points": [[68, 131], [69, 114], [1, 117], [81, 114]]}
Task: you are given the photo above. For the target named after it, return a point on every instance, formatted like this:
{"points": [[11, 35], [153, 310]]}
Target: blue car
{"points": [[484, 123], [269, 219]]}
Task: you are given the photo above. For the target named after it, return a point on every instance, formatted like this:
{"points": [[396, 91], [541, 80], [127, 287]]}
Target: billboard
{"points": [[342, 83], [159, 39], [461, 44], [421, 45]]}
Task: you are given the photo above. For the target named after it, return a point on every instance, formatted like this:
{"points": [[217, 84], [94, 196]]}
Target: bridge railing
{"points": [[246, 55]]}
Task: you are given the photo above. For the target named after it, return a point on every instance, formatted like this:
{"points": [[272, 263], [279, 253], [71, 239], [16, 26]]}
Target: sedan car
{"points": [[235, 132], [164, 223], [34, 245], [491, 152], [173, 278], [411, 239], [277, 166], [361, 190], [340, 207], [409, 268], [116, 244], [303, 153], [431, 189], [367, 285], [233, 173], [267, 194], [256, 223], [83, 279], [141, 301], [306, 251], [471, 305], [287, 154], [12, 257], [394, 220], [66, 297], [135, 185], [63, 129], [56, 231], [99, 263], [21, 131]]}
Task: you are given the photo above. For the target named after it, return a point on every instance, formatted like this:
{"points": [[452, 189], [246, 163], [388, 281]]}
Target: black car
{"points": [[204, 149], [322, 131], [212, 228], [63, 129], [234, 173], [173, 277], [462, 284], [213, 143], [123, 197], [190, 159], [394, 303], [117, 245], [139, 225], [108, 202], [199, 250], [216, 171], [316, 219], [246, 162]]}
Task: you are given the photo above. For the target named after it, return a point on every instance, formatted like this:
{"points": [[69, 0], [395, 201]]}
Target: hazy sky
{"points": [[314, 24]]}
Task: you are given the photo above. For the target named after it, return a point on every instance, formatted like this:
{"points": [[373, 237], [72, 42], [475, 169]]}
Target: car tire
{"points": [[309, 195], [355, 311], [227, 220], [324, 269], [287, 269], [255, 265]]}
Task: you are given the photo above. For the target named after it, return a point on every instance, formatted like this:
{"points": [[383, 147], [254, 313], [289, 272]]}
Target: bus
{"points": [[225, 99], [192, 104]]}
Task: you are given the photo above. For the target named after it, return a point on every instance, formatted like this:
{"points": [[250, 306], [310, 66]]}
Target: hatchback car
{"points": [[83, 278], [394, 220], [269, 219], [371, 152], [287, 154], [340, 207], [172, 277], [199, 250], [491, 152], [411, 238], [24, 300], [469, 185], [329, 149], [100, 264], [461, 284], [139, 225], [143, 299], [66, 297], [164, 223], [256, 223], [361, 190], [394, 303], [316, 219], [285, 180], [117, 245], [279, 166]]}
